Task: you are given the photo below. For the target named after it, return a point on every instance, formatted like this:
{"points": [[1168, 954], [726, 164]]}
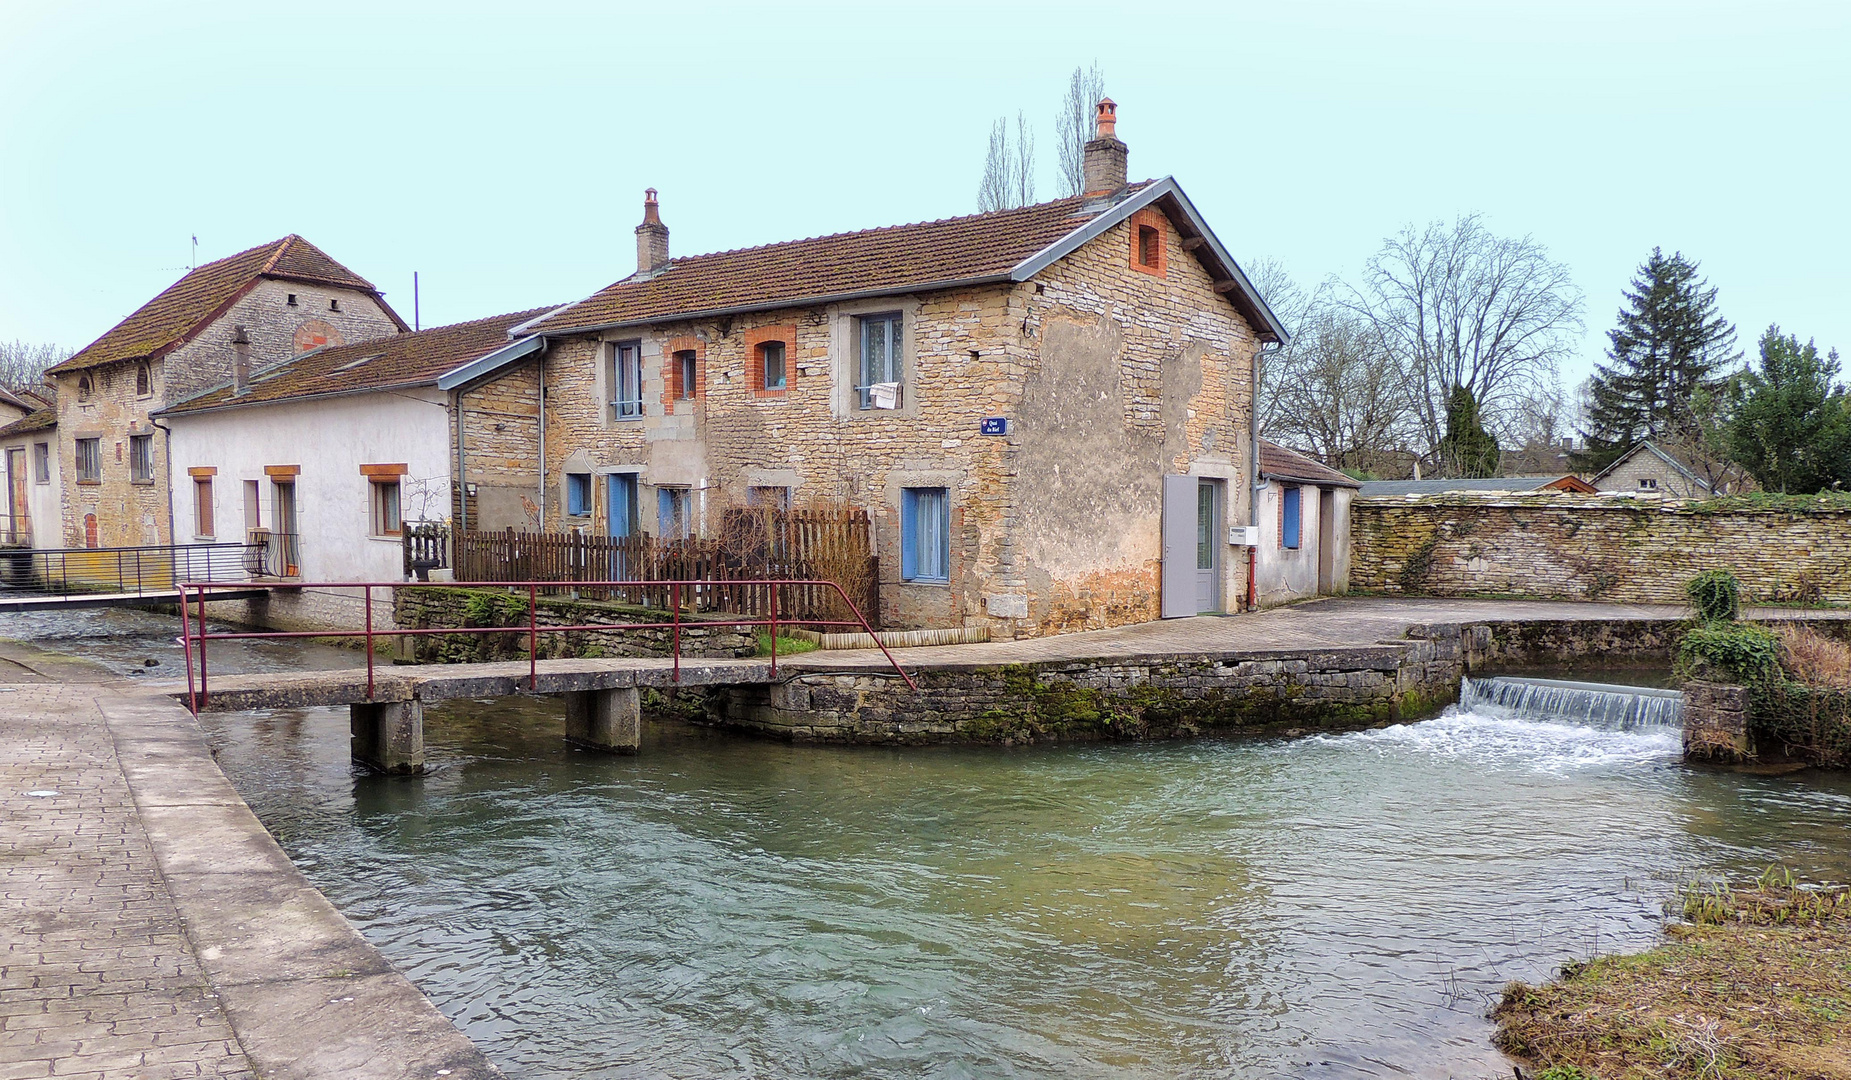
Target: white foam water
{"points": [[1494, 740], [1601, 705]]}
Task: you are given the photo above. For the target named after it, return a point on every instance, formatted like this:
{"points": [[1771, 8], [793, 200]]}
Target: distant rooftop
{"points": [[1440, 487]]}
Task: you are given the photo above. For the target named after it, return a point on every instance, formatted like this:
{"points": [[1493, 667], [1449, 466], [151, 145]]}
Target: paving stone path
{"points": [[96, 977], [150, 928]]}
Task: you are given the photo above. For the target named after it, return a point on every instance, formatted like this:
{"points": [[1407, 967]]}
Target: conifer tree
{"points": [[1790, 426], [1467, 449], [1670, 346]]}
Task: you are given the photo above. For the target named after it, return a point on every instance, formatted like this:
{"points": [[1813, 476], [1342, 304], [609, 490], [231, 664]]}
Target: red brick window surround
{"points": [[1149, 249], [686, 370], [776, 346]]}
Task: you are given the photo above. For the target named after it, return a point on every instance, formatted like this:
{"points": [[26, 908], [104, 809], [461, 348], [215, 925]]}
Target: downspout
{"points": [[167, 451], [1253, 480], [462, 485], [540, 374]]}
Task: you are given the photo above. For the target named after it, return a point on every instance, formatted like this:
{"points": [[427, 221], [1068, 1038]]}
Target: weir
{"points": [[1602, 705]]}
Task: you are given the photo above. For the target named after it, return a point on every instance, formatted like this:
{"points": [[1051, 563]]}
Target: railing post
{"points": [[204, 693], [369, 642], [533, 637], [186, 653], [774, 630], [677, 646]]}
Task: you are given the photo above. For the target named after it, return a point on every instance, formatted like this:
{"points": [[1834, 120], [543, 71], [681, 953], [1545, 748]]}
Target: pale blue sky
{"points": [[501, 150]]}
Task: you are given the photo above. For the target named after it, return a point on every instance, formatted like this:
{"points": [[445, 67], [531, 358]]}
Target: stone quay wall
{"points": [[1581, 547], [434, 608]]}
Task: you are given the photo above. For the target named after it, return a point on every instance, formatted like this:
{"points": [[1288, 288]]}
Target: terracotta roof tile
{"points": [[1276, 460], [894, 258], [184, 307], [414, 359]]}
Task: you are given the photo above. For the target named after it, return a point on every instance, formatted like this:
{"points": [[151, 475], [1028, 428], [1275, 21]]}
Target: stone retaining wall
{"points": [[1716, 722], [421, 608], [1579, 547]]}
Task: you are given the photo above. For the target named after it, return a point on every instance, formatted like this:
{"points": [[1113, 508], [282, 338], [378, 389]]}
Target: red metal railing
{"points": [[194, 635]]}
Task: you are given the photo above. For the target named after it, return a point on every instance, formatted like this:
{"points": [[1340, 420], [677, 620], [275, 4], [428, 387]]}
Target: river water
{"points": [[1330, 906]]}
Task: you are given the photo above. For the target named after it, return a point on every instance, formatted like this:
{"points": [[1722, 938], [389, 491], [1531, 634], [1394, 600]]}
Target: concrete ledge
{"points": [[305, 993]]}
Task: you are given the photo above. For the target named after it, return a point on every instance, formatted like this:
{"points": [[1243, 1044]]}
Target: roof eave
{"points": [[488, 363], [771, 305], [1312, 480], [1167, 187]]}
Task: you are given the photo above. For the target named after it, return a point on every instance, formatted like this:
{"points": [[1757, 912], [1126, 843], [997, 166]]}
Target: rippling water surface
{"points": [[1331, 906]]}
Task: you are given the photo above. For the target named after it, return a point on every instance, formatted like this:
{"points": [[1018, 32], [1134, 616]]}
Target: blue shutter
{"points": [[909, 534], [1290, 524]]}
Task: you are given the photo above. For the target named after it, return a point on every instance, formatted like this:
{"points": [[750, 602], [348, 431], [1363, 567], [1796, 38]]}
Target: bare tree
{"points": [[23, 364], [1008, 167], [1277, 366], [1460, 306], [1342, 395], [1074, 125]]}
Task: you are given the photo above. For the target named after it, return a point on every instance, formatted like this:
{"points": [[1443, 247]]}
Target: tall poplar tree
{"points": [[1669, 348]]}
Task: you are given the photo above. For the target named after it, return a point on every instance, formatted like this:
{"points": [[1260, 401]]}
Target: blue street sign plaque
{"points": [[994, 425]]}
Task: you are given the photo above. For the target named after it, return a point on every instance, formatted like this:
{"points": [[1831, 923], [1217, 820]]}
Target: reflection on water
{"points": [[140, 643], [1333, 906]]}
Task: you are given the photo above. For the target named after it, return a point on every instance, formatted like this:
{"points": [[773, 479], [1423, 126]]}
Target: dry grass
{"points": [[1814, 659], [1756, 987]]}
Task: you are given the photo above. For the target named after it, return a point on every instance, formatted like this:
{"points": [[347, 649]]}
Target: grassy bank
{"points": [[1755, 984]]}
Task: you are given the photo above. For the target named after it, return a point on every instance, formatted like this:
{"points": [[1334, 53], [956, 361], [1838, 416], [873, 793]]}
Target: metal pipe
{"points": [[1253, 481]]}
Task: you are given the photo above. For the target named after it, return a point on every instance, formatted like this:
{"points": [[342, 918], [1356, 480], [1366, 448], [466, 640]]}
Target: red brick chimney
{"points": [[651, 237], [1105, 155]]}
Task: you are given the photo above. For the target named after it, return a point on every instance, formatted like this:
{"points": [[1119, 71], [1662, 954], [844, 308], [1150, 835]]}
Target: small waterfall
{"points": [[1600, 705]]}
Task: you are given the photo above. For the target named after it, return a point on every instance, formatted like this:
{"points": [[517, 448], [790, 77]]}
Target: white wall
{"points": [[42, 500], [329, 439], [1286, 574]]}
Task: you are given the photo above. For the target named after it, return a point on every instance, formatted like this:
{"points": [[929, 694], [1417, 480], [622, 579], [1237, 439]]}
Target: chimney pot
{"points": [[1105, 159], [651, 237]]}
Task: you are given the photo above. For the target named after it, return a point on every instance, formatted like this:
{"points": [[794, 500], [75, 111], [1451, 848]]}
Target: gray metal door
{"points": [[1179, 546]]}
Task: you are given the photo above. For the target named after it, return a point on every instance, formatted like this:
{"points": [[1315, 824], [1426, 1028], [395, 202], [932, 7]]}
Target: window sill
{"points": [[395, 538], [205, 539], [89, 483], [933, 583], [143, 483], [628, 419]]}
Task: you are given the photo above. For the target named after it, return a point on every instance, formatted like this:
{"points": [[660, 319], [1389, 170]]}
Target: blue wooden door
{"points": [[621, 519]]}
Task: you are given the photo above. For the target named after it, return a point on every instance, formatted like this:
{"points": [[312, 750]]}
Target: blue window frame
{"points": [[925, 535], [578, 494], [627, 380], [674, 513], [1289, 517]]}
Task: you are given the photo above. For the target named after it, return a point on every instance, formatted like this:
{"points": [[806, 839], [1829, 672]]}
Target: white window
{"points": [[41, 462], [880, 341], [386, 520], [627, 380]]}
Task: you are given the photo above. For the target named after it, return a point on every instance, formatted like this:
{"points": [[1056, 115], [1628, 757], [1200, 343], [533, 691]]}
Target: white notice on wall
{"points": [[884, 395]]}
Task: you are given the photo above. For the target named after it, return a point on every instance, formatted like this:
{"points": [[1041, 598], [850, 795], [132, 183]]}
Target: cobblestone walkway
{"points": [[96, 976]]}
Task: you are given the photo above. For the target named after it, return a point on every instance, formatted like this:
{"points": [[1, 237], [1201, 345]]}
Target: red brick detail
{"points": [[673, 391], [1151, 224], [755, 364]]}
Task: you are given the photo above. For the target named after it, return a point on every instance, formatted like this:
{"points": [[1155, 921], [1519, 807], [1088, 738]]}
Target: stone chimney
{"points": [[651, 237], [1105, 155], [240, 360]]}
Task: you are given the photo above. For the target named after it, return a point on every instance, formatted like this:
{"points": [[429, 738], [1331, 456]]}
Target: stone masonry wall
{"points": [[426, 608], [1594, 548], [501, 452], [1111, 378], [128, 512]]}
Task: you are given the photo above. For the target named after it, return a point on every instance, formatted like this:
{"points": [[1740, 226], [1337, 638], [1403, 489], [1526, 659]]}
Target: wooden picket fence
{"points": [[754, 543]]}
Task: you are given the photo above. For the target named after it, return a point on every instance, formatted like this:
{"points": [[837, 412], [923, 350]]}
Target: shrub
{"points": [[1730, 653], [1814, 659], [1716, 594]]}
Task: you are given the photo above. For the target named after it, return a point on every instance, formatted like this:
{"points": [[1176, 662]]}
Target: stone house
{"points": [[1012, 395], [250, 309], [1553, 482], [1302, 509], [1649, 469]]}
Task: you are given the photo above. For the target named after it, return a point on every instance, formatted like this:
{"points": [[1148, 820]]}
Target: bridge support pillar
{"points": [[610, 720], [388, 736]]}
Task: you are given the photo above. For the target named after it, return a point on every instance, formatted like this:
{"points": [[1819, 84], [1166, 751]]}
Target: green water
{"points": [[719, 906]]}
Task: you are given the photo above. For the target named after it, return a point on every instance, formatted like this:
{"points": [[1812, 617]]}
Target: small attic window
{"points": [[84, 387], [1148, 246], [334, 305], [292, 300], [144, 381]]}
